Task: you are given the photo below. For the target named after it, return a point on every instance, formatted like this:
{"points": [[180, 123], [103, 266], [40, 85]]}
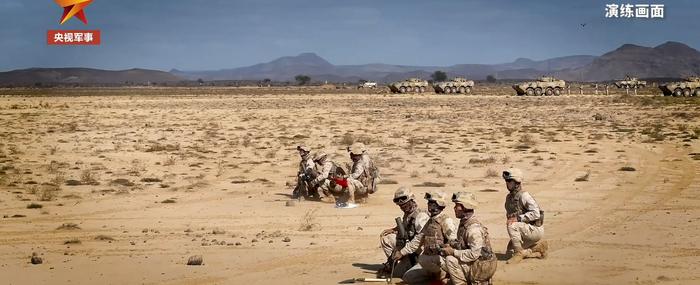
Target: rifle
{"points": [[402, 239]]}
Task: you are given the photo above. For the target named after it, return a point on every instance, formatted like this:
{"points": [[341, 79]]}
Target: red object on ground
{"points": [[341, 181]]}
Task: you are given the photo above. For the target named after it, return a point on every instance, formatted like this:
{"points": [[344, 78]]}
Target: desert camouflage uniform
{"points": [[360, 176], [524, 234], [306, 166], [322, 181], [469, 261], [414, 223], [439, 230]]}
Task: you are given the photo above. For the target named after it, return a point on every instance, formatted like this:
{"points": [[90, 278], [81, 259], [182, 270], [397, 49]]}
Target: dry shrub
{"points": [[308, 221], [47, 192], [347, 139], [508, 131], [68, 226], [34, 206], [430, 184], [584, 177], [491, 173], [488, 160], [527, 140], [627, 168], [104, 238], [87, 177]]}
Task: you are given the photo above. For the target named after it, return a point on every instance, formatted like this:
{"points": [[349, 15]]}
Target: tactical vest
{"points": [[513, 205], [462, 243], [304, 163], [409, 223], [484, 268], [433, 236], [515, 208]]}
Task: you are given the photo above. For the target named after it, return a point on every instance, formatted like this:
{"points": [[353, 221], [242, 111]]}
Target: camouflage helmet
{"points": [[403, 195], [321, 155], [514, 174], [437, 197], [466, 199], [304, 148], [357, 148]]}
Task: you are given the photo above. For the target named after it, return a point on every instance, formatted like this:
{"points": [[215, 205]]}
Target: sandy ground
{"points": [[148, 181]]}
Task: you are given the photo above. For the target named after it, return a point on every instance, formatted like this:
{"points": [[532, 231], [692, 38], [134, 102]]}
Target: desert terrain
{"points": [[123, 185]]}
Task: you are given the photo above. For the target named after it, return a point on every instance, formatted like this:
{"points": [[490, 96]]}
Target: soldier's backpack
{"points": [[482, 269]]}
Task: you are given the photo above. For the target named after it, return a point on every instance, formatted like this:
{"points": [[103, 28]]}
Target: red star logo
{"points": [[73, 8]]}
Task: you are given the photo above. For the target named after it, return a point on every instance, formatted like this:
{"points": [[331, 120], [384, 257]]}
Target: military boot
{"points": [[385, 271], [516, 258], [542, 248]]}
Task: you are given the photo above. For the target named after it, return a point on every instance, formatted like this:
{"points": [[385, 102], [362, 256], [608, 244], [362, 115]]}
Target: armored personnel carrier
{"points": [[416, 85], [456, 85], [689, 87], [630, 83], [545, 85]]}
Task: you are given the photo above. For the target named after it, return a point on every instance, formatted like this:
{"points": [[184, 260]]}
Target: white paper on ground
{"points": [[346, 205]]}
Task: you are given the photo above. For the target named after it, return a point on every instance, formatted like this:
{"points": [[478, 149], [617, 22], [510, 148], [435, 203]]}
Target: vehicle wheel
{"points": [[529, 91], [557, 91], [687, 92], [697, 92], [402, 89], [549, 91], [677, 92], [468, 90], [538, 91], [422, 89], [448, 90], [462, 90]]}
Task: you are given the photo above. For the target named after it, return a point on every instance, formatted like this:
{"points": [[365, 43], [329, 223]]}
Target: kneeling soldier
{"points": [[470, 260], [414, 219]]}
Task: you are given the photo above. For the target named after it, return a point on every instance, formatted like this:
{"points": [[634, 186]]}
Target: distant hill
{"points": [[84, 76], [285, 68], [670, 60]]}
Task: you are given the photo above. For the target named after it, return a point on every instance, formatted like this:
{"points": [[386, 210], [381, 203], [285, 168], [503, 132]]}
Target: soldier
{"points": [[325, 169], [524, 220], [471, 260], [363, 175], [306, 170], [414, 219], [438, 231]]}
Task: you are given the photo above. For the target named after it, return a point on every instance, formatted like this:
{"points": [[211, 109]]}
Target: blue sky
{"points": [[216, 34]]}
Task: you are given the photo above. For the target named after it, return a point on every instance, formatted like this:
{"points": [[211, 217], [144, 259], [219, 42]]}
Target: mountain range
{"points": [[285, 68], [70, 75], [668, 60]]}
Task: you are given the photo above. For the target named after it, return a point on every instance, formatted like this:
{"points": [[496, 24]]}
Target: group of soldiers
{"points": [[430, 245], [318, 175]]}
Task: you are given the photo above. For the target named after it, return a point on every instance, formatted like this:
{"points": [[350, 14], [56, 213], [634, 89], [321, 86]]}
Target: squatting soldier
{"points": [[306, 171], [471, 259], [325, 169], [438, 231], [414, 219], [363, 176], [524, 220]]}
